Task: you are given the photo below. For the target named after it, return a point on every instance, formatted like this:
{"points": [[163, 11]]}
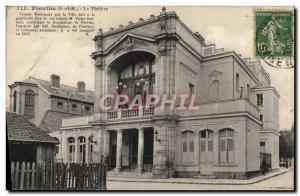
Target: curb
{"points": [[199, 181]]}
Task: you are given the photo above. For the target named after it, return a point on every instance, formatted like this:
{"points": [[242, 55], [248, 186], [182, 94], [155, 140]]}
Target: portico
{"points": [[127, 149]]}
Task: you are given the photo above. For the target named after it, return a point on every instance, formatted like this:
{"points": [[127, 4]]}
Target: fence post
{"points": [[16, 176], [27, 176], [12, 174], [22, 176], [33, 176]]}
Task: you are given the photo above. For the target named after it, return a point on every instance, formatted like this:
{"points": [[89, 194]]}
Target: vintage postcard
{"points": [[104, 98]]}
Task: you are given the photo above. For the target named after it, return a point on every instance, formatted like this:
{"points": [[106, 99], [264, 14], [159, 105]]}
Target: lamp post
{"points": [[168, 164]]}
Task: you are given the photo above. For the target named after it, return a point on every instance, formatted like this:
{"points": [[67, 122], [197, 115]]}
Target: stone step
{"points": [[205, 176], [125, 174]]}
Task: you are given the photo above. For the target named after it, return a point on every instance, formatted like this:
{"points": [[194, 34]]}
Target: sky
{"points": [[68, 54]]}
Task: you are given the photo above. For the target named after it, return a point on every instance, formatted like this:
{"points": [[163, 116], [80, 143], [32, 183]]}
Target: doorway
{"points": [[112, 149], [148, 149]]}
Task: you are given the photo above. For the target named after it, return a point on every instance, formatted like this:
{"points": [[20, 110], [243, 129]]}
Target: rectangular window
{"points": [[237, 77], [259, 99], [203, 145], [192, 89], [74, 107], [59, 104]]}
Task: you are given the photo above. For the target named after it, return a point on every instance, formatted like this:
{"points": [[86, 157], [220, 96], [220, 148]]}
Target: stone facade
{"points": [[221, 139]]}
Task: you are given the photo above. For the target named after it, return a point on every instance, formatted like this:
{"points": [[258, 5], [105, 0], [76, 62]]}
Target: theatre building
{"points": [[234, 125]]}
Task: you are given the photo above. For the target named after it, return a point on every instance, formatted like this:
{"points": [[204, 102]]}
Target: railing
{"points": [[127, 113], [58, 176], [112, 114], [223, 106], [130, 113]]}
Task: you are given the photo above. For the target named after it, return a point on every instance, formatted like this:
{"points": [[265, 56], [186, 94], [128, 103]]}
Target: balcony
{"points": [[130, 113], [222, 107], [204, 109]]}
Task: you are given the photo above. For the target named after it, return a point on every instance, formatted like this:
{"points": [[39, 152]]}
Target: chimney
{"points": [[55, 81], [80, 87]]}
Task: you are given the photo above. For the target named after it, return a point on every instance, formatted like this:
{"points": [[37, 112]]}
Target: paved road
{"points": [[281, 182]]}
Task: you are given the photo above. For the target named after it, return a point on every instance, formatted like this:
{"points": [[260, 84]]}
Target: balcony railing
{"points": [[130, 113], [210, 108]]}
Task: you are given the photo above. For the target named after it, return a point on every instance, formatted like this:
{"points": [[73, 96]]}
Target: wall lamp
{"points": [[92, 139]]}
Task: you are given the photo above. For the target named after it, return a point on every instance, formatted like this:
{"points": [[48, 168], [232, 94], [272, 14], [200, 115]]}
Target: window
{"points": [[226, 145], [29, 103], [237, 82], [59, 104], [82, 149], [74, 107], [191, 89], [260, 99], [87, 109], [187, 140], [215, 89], [206, 146], [15, 102], [71, 149]]}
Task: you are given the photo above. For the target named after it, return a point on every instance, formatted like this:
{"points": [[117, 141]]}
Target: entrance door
{"points": [[130, 149], [148, 149], [112, 149], [206, 152]]}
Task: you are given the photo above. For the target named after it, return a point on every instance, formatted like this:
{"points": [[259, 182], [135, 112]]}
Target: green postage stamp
{"points": [[274, 41]]}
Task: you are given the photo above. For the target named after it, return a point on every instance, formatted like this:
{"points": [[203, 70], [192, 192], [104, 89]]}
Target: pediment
{"points": [[130, 41], [215, 73]]}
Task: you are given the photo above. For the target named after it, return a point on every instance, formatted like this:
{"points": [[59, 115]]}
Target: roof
{"points": [[64, 90], [20, 129]]}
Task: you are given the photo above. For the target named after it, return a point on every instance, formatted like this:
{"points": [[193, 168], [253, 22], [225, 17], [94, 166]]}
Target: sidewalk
{"points": [[201, 181]]}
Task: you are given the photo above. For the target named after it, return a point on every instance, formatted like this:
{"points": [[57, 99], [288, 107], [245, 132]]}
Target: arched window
{"points": [[226, 145], [206, 146], [215, 91], [29, 103], [187, 146], [82, 149], [15, 101], [71, 149]]}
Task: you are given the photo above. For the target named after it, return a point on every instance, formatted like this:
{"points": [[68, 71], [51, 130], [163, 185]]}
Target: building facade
{"points": [[46, 103], [236, 119]]}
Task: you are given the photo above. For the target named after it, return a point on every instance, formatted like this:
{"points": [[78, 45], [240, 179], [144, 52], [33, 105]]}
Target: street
{"points": [[281, 182]]}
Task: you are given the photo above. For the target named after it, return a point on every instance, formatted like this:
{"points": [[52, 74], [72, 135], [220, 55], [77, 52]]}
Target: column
{"points": [[141, 151], [119, 151]]}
